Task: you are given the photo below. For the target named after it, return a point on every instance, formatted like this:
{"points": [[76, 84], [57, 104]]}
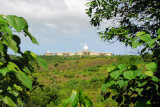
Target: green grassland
{"points": [[85, 72]]}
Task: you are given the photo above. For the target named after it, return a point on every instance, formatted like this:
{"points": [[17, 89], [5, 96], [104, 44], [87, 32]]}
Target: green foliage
{"points": [[132, 84], [138, 27], [43, 97], [78, 99], [15, 73], [92, 69]]}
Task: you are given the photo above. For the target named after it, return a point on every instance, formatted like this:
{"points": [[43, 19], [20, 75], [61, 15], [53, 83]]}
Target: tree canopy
{"points": [[133, 16]]}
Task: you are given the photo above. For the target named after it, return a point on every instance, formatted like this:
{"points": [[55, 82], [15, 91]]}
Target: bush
{"points": [[56, 64], [69, 75], [43, 97], [92, 69]]}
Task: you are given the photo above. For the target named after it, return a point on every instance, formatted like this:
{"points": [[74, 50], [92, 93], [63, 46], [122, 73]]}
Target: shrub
{"points": [[56, 64]]}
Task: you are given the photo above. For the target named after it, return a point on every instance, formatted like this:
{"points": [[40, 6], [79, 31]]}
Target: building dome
{"points": [[85, 48]]}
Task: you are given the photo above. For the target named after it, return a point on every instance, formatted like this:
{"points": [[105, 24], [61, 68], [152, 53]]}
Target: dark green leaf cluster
{"points": [[132, 85], [15, 74]]}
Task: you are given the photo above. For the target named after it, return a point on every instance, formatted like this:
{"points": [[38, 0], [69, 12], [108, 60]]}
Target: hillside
{"points": [[87, 73]]}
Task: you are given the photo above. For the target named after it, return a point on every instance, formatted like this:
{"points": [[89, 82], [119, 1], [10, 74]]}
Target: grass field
{"points": [[86, 72]]}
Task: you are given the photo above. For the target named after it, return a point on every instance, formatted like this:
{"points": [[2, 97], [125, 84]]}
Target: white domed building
{"points": [[84, 52]]}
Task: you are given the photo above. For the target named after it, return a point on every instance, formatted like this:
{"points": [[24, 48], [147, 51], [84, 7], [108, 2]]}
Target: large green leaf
{"points": [[152, 42], [155, 79], [42, 63], [146, 38], [26, 81], [8, 100], [13, 67], [122, 67], [26, 70], [66, 102], [122, 83], [111, 68], [136, 73], [152, 66], [33, 39], [115, 74], [30, 55], [8, 41], [148, 73], [4, 71], [104, 86], [135, 44], [74, 98], [18, 23], [128, 75], [140, 33]]}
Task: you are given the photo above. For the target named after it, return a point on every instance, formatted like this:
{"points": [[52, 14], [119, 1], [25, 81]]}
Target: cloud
{"points": [[57, 24]]}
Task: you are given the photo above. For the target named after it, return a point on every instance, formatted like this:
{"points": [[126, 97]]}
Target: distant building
{"points": [[48, 53], [80, 53]]}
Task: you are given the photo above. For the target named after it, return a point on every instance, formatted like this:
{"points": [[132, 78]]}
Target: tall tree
{"points": [[132, 16]]}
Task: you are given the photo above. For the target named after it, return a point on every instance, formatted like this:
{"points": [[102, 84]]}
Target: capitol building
{"points": [[80, 53]]}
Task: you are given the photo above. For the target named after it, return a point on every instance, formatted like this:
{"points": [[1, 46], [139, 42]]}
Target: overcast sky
{"points": [[58, 25]]}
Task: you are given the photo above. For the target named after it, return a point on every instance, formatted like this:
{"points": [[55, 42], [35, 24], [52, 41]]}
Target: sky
{"points": [[58, 26]]}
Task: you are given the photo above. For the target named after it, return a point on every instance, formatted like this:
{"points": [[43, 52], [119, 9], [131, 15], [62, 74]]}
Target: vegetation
{"points": [[139, 25], [70, 75], [15, 74]]}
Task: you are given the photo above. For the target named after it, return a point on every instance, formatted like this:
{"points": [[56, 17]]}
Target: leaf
{"points": [[128, 75], [135, 44], [122, 67], [13, 67], [26, 70], [152, 42], [139, 90], [152, 66], [66, 102], [143, 103], [155, 79], [140, 33], [104, 87], [8, 41], [33, 39], [115, 74], [42, 63], [30, 55], [17, 23], [122, 83], [4, 71], [142, 84], [26, 81], [74, 98], [81, 96], [9, 101], [148, 73], [88, 102], [136, 73], [111, 68], [158, 31], [146, 38]]}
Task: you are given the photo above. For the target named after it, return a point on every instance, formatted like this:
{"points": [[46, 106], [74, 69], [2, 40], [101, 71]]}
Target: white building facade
{"points": [[84, 52]]}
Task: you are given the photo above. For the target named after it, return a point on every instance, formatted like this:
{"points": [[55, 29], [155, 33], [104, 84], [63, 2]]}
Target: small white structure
{"points": [[85, 48], [48, 53]]}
